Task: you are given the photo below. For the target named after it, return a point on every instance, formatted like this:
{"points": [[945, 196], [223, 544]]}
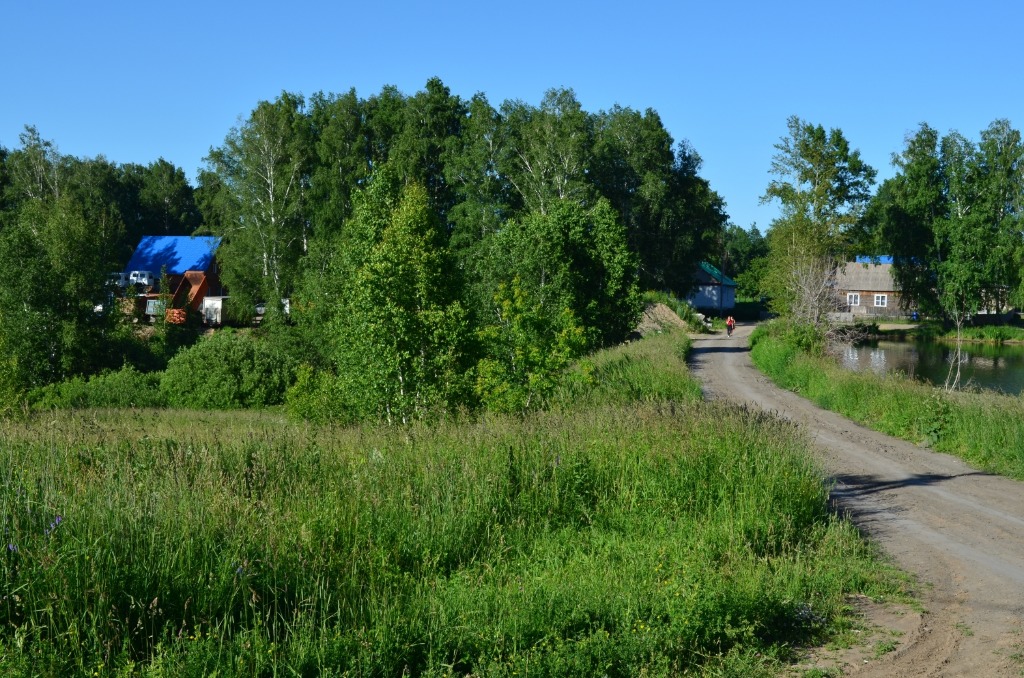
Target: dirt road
{"points": [[959, 530]]}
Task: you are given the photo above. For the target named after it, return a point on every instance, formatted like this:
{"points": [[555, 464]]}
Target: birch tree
{"points": [[823, 187], [548, 151], [263, 173]]}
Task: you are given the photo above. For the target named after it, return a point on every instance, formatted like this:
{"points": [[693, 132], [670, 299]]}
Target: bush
{"points": [[312, 396], [126, 387], [228, 370]]}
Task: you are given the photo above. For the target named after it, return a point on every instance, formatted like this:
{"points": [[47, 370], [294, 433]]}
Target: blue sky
{"points": [[136, 81]]}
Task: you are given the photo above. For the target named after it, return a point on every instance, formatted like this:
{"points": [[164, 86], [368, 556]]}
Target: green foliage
{"points": [[126, 387], [398, 335], [571, 258], [823, 187], [951, 219], [65, 224], [609, 197], [742, 256], [256, 195], [526, 350], [52, 275], [670, 213], [227, 370], [653, 539]]}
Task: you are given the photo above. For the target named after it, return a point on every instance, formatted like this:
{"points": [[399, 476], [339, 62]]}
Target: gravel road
{"points": [[959, 530]]}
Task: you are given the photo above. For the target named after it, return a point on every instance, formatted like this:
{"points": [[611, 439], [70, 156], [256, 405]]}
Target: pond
{"points": [[986, 366]]}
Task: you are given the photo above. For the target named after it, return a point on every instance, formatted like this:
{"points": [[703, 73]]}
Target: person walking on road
{"points": [[730, 325]]}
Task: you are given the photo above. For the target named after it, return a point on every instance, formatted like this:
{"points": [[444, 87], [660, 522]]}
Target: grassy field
{"points": [[985, 429], [630, 530]]}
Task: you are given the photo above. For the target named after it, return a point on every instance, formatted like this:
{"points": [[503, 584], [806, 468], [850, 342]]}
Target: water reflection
{"points": [[986, 366]]}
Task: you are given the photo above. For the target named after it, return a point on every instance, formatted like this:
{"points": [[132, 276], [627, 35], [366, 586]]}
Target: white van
{"points": [[144, 278]]}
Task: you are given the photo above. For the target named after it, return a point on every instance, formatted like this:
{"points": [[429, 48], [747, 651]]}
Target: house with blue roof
{"points": [[190, 265]]}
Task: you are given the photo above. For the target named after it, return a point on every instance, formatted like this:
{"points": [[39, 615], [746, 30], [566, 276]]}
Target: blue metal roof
{"points": [[881, 259], [178, 253]]}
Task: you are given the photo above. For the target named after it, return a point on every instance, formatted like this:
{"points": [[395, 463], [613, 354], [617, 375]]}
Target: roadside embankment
{"points": [[985, 429]]}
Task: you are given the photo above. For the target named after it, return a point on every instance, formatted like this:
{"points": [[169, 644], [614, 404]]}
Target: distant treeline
{"points": [[437, 253]]}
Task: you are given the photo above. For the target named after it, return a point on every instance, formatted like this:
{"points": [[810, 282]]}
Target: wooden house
{"points": [[866, 288]]}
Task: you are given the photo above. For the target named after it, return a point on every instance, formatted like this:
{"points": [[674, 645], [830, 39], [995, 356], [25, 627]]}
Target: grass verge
{"points": [[985, 429], [645, 534]]}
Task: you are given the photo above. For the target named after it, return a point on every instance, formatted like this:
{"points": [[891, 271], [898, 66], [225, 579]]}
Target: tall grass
{"points": [[985, 429], [656, 536], [653, 370]]}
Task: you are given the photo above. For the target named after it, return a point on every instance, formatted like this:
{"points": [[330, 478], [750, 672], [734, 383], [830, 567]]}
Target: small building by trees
{"points": [[191, 271], [713, 291], [865, 288]]}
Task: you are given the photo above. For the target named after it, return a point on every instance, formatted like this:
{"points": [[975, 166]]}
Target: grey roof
{"points": [[865, 278]]}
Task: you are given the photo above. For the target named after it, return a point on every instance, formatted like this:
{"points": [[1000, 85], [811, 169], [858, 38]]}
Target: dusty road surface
{"points": [[959, 530]]}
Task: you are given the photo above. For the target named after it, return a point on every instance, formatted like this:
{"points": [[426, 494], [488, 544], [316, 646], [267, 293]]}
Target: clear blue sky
{"points": [[136, 81]]}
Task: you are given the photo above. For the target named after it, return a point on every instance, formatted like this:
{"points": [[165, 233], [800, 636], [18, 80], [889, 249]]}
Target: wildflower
{"points": [[53, 526], [13, 548]]}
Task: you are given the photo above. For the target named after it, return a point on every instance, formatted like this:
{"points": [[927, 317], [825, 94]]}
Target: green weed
{"points": [[623, 535]]}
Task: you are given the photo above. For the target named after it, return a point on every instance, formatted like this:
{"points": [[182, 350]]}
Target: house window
{"points": [[154, 306], [852, 299], [882, 300]]}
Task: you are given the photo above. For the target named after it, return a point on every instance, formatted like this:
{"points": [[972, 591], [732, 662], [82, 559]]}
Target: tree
{"points": [[481, 193], [951, 217], [526, 349], [739, 250], [548, 150], [1000, 157], [342, 158], [384, 115], [823, 188], [52, 277], [432, 125], [905, 213], [167, 200], [560, 283], [398, 335], [37, 170], [263, 172], [570, 258], [671, 215]]}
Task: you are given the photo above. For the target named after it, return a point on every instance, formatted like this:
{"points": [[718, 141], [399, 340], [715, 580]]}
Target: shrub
{"points": [[312, 397], [228, 370], [126, 387]]}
